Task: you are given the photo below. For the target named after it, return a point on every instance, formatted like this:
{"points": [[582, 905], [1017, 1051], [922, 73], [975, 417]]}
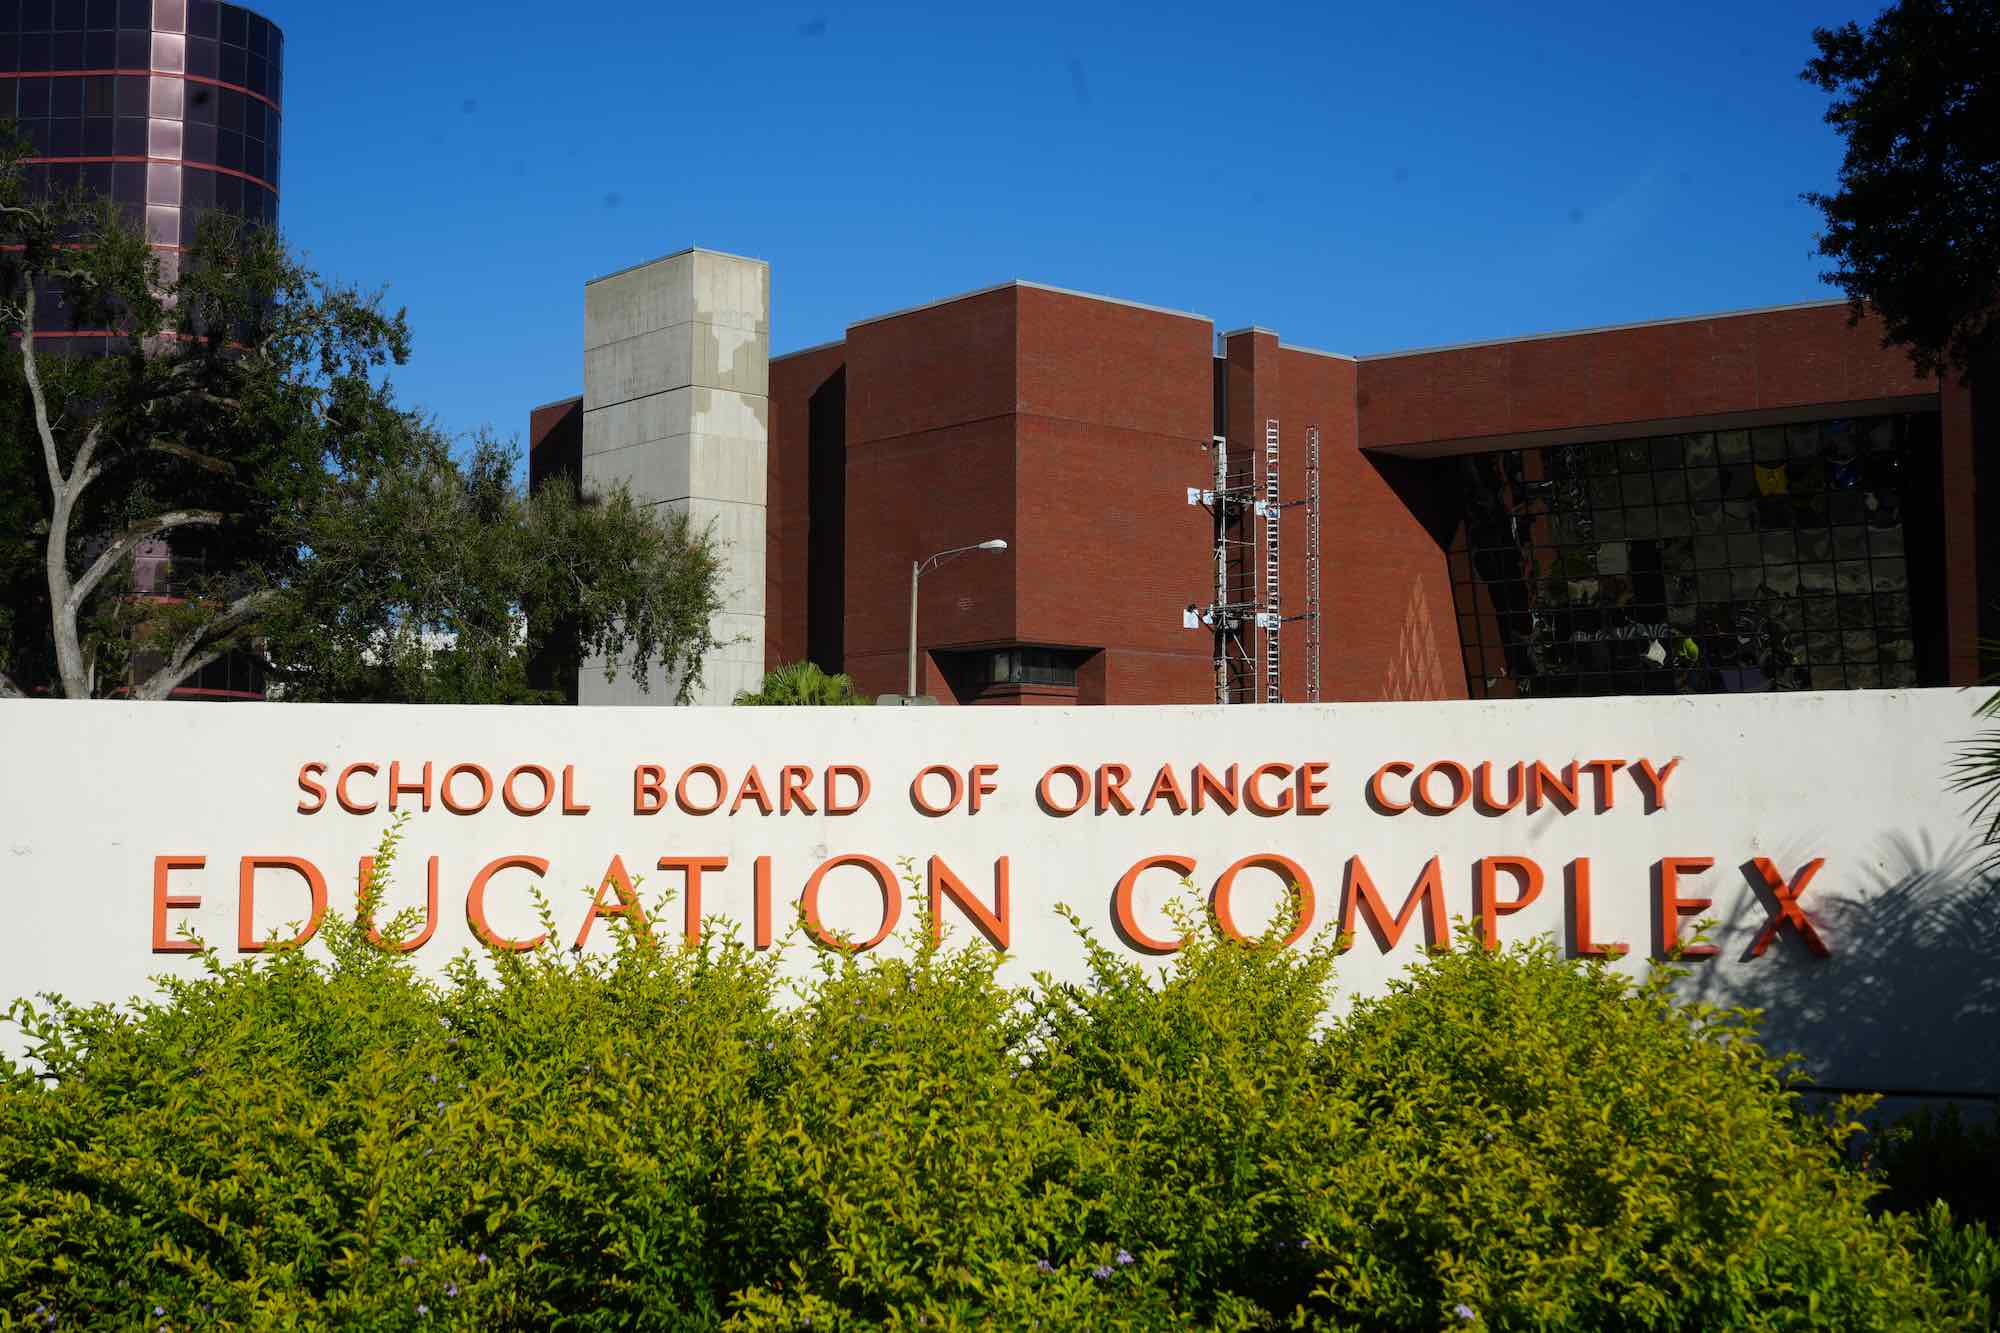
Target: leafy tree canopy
{"points": [[1914, 230], [241, 415]]}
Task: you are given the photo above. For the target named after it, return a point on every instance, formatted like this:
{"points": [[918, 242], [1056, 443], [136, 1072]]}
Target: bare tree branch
{"points": [[129, 540], [205, 644], [35, 392], [81, 480], [76, 678], [81, 471], [163, 682], [207, 462]]}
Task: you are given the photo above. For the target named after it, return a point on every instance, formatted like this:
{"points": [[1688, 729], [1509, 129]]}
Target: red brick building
{"points": [[1760, 500]]}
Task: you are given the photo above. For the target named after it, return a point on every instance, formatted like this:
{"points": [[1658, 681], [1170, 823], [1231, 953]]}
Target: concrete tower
{"points": [[676, 359]]}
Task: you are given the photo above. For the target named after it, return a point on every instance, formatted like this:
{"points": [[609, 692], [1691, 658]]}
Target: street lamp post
{"points": [[917, 568]]}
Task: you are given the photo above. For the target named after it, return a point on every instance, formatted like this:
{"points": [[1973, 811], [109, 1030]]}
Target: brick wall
{"points": [[1072, 426], [800, 386], [555, 441], [1387, 628], [930, 465], [1739, 363], [1115, 405]]}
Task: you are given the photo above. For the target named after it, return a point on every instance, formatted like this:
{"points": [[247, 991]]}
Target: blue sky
{"points": [[1360, 178]]}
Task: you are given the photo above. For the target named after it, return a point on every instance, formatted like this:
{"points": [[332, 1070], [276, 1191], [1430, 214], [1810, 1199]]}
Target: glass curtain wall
{"points": [[1720, 561]]}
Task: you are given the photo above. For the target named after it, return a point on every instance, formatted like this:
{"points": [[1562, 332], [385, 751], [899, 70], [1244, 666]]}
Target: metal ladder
{"points": [[1312, 565], [1272, 604]]}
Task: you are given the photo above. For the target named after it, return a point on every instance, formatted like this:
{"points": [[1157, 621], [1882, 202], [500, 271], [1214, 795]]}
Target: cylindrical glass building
{"points": [[169, 107]]}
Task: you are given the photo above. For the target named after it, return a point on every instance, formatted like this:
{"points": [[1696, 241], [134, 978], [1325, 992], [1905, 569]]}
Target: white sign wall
{"points": [[1816, 829]]}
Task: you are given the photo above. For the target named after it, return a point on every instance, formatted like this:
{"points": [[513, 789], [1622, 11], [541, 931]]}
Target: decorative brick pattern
{"points": [[1416, 671]]}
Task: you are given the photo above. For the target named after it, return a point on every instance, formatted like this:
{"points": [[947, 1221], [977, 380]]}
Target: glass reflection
{"points": [[1767, 559]]}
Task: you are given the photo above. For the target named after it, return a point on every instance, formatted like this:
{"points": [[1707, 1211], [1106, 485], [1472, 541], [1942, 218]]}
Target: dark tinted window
{"points": [[1024, 666], [1719, 561], [232, 25], [100, 50]]}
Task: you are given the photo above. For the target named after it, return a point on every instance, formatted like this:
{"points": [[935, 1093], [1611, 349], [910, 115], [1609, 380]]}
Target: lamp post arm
{"points": [[932, 562], [917, 568]]}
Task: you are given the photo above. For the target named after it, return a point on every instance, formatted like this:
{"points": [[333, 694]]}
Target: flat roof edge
{"points": [[1606, 328], [557, 402], [1114, 300], [816, 347], [661, 259], [926, 305], [1315, 351], [1033, 286]]}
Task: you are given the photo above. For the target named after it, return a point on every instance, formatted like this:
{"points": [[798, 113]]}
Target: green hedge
{"points": [[668, 1138]]}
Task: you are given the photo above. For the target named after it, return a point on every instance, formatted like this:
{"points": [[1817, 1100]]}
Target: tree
{"points": [[802, 683], [442, 581], [1914, 230], [241, 414]]}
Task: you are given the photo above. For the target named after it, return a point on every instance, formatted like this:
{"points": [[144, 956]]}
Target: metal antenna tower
{"points": [[1246, 617]]}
